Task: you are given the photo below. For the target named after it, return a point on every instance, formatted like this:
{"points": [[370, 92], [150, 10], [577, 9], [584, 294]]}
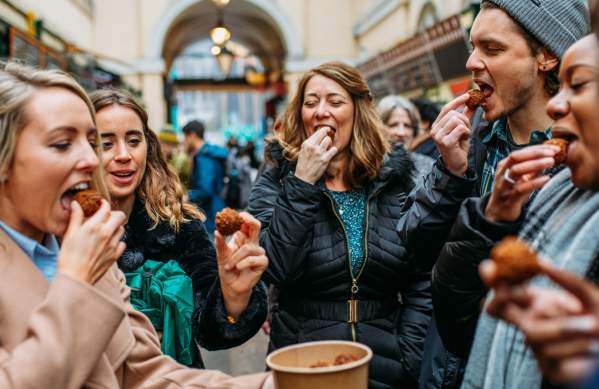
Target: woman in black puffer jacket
{"points": [[343, 234]]}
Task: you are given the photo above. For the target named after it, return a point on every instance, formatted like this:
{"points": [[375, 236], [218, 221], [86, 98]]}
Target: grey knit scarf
{"points": [[562, 224]]}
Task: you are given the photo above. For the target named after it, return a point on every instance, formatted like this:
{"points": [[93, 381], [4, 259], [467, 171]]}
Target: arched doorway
{"points": [[181, 41]]}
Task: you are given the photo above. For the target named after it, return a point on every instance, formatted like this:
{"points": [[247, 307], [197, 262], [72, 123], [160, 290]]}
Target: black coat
{"points": [[196, 255], [309, 261]]}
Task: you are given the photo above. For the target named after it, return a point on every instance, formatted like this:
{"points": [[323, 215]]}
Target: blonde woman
{"points": [[330, 204], [162, 226], [66, 318]]}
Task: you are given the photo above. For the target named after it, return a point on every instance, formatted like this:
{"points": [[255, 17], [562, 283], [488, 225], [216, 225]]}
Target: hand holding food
{"points": [[241, 262], [515, 262], [451, 133], [315, 154], [91, 246], [516, 177]]}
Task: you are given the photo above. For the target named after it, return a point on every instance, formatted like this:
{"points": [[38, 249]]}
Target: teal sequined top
{"points": [[351, 206]]}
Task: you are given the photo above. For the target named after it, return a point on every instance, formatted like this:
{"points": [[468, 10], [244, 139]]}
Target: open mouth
{"points": [[485, 88], [123, 174], [122, 177], [68, 196]]}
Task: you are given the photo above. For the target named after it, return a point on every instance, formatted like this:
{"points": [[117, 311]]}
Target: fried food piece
{"points": [[228, 221], [560, 157], [477, 97], [515, 261], [331, 134], [321, 364], [90, 201], [342, 359]]}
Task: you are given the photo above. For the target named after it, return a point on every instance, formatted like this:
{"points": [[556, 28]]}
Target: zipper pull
{"points": [[354, 287]]}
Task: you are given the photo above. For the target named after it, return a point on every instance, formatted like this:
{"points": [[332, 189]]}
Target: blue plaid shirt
{"points": [[500, 144]]}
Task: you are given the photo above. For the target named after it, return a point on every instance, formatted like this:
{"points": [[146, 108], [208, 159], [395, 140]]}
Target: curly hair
{"points": [[160, 189], [368, 145]]}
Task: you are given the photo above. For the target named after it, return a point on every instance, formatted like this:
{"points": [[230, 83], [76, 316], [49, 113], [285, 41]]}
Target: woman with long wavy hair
{"points": [[342, 233], [230, 303]]}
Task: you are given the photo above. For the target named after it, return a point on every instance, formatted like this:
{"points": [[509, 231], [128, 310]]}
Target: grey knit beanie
{"points": [[557, 24]]}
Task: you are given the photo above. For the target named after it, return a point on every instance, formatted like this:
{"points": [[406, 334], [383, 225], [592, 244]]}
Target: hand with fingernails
{"points": [[315, 154], [451, 134], [91, 246], [516, 177], [561, 327], [241, 262]]}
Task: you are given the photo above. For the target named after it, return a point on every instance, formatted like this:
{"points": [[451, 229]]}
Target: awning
{"points": [[427, 59]]}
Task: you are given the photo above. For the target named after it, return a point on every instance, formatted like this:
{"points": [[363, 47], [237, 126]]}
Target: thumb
{"points": [[220, 244], [469, 112], [582, 289], [75, 218]]}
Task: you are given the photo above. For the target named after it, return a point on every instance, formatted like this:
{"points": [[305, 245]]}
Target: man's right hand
{"points": [[451, 133]]}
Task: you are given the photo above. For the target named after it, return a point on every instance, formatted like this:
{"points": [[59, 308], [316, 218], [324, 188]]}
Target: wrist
{"points": [[300, 176], [235, 303], [494, 216]]}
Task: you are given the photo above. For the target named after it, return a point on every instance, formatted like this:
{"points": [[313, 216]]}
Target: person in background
{"points": [[174, 154], [230, 305], [402, 122], [208, 172], [66, 318], [340, 222], [423, 143]]}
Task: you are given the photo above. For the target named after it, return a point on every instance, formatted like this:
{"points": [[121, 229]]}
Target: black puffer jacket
{"points": [[309, 262], [196, 255]]}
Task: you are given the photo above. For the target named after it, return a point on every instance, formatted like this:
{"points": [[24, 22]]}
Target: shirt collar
{"points": [[31, 247], [499, 131]]}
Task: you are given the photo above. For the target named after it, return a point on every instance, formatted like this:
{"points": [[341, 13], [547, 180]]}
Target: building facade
{"points": [[139, 41]]}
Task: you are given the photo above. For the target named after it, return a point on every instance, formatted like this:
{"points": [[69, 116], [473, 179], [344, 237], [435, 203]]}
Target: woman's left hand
{"points": [[560, 326], [241, 263]]}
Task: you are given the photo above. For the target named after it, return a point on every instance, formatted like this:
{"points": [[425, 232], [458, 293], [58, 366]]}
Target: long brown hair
{"points": [[160, 189], [367, 146]]}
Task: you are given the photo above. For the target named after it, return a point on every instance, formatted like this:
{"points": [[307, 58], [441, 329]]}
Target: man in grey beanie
{"points": [[517, 48]]}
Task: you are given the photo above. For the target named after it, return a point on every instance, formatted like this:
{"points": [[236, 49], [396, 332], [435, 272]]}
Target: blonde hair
{"points": [[367, 146], [17, 84], [160, 189]]}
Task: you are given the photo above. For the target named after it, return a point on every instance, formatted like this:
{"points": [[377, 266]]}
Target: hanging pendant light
{"points": [[219, 33], [220, 3]]}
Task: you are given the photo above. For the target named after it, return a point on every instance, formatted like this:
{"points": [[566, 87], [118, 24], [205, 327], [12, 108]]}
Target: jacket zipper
{"points": [[354, 281]]}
